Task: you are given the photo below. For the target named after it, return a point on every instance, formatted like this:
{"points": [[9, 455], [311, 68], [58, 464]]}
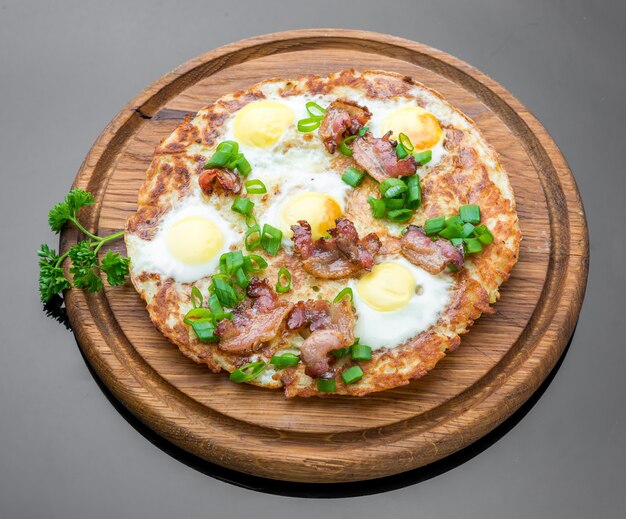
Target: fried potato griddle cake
{"points": [[326, 235]]}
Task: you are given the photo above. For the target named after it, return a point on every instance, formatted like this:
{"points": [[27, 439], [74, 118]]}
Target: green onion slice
{"points": [[454, 230], [196, 314], [345, 292], [224, 153], [271, 238], [341, 352], [395, 203], [400, 215], [473, 245], [343, 145], [483, 234], [309, 124], [360, 352], [243, 166], [414, 192], [196, 297], [241, 278], [242, 206], [401, 152], [255, 187], [214, 305], [435, 225], [423, 157], [250, 220], [248, 372], [283, 284], [363, 131], [467, 230], [392, 187], [253, 237], [254, 263], [352, 374], [406, 142], [377, 206], [315, 110], [231, 261], [205, 330], [225, 292], [285, 360], [470, 214], [352, 176], [326, 385]]}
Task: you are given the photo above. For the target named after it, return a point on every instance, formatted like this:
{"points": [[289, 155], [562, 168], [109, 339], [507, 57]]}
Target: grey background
{"points": [[65, 71]]}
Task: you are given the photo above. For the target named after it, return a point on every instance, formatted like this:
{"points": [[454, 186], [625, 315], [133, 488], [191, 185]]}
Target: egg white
{"points": [[154, 255], [379, 329]]}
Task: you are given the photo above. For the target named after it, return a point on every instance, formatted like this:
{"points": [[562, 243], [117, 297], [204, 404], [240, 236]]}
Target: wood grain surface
{"points": [[499, 364]]}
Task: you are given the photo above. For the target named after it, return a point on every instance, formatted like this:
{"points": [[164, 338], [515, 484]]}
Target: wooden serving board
{"points": [[499, 364]]}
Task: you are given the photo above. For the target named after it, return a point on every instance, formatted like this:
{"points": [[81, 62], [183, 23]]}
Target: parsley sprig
{"points": [[84, 255]]}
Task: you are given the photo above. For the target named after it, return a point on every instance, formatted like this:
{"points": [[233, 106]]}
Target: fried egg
{"points": [[419, 125], [188, 243], [397, 300]]}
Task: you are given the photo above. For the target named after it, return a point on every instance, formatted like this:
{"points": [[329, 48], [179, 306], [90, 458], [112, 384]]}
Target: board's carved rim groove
{"points": [[95, 172]]}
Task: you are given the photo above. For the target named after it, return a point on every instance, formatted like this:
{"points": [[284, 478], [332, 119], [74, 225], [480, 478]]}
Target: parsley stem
{"points": [[85, 231], [61, 258]]}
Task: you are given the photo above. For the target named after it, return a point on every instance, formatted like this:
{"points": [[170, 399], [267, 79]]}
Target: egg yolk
{"points": [[419, 125], [318, 209], [194, 240], [262, 123], [389, 286]]}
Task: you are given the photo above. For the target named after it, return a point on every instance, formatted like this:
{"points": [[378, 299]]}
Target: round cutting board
{"points": [[499, 364]]}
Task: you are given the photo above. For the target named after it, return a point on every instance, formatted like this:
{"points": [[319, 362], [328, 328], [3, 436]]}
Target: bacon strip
{"points": [[225, 179], [256, 320], [342, 119], [331, 326], [341, 255], [379, 158], [432, 256]]}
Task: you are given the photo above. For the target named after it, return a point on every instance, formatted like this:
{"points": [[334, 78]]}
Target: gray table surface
{"points": [[67, 452]]}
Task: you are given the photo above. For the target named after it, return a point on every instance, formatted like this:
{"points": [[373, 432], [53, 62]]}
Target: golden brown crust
{"points": [[469, 173]]}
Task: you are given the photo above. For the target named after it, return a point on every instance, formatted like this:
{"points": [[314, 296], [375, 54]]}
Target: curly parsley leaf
{"points": [[68, 209], [84, 264], [52, 279], [115, 267]]}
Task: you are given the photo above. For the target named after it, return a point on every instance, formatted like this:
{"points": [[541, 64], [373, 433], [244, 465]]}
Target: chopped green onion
{"points": [[222, 315], [243, 166], [423, 157], [454, 230], [231, 261], [223, 154], [315, 110], [341, 352], [360, 352], [196, 297], [395, 203], [470, 213], [345, 292], [473, 245], [457, 241], [225, 293], [435, 225], [241, 278], [414, 193], [452, 268], [378, 207], [326, 385], [467, 230], [205, 330], [352, 176], [253, 237], [285, 360], [406, 142], [309, 124], [250, 220], [392, 187], [363, 131], [195, 314], [401, 152], [343, 145], [232, 164], [453, 220], [254, 263], [247, 372], [483, 234], [214, 305], [242, 206], [283, 284], [352, 374], [255, 187], [270, 239], [400, 215]]}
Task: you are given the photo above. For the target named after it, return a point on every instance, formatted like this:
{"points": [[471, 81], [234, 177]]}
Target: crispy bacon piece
{"points": [[331, 326], [342, 119], [256, 320], [379, 158], [341, 255], [432, 256], [225, 179]]}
